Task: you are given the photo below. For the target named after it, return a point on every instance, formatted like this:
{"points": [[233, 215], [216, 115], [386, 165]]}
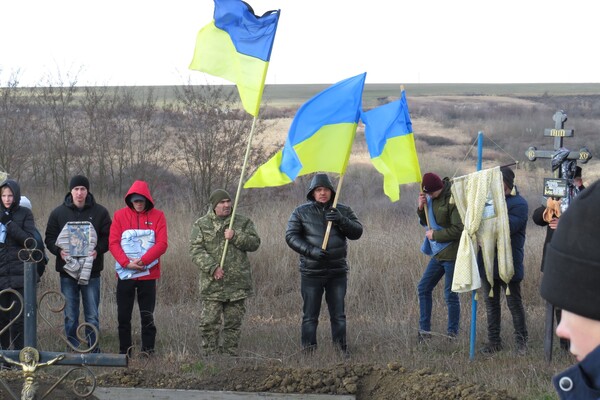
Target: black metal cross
{"points": [[29, 359], [583, 155], [559, 133]]}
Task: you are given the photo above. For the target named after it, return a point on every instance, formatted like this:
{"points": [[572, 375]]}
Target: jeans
{"points": [[146, 298], [90, 296], [493, 310], [312, 293], [13, 335], [435, 270]]}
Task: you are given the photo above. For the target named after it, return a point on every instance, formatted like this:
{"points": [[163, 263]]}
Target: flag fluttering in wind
{"points": [[320, 137], [389, 136], [236, 46]]}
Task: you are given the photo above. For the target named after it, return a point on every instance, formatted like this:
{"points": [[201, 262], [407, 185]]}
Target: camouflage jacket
{"points": [[206, 249]]}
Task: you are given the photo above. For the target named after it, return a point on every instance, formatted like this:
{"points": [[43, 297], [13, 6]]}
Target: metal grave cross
{"points": [[29, 359], [583, 155], [559, 133]]}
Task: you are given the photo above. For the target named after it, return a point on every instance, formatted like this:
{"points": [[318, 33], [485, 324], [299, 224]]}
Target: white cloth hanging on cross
{"points": [[481, 204]]}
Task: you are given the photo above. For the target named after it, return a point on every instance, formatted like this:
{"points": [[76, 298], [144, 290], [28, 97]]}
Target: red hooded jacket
{"points": [[151, 218]]}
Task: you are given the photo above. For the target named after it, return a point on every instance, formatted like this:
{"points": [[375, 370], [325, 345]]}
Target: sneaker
{"points": [[423, 337], [491, 348]]}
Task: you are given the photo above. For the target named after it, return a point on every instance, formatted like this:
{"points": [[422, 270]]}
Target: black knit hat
{"points": [[79, 180], [217, 196], [572, 263], [508, 176]]}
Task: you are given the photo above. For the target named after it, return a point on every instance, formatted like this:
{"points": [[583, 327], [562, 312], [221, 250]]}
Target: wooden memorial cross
{"points": [[583, 155], [29, 359]]}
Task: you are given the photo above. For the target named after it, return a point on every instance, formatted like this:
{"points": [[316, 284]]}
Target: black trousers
{"points": [[13, 335], [146, 298], [515, 306]]}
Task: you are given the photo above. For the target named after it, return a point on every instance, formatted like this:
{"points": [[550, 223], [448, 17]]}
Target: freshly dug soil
{"points": [[365, 381]]}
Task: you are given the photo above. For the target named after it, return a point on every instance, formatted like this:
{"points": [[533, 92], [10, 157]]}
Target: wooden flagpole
{"points": [[239, 188], [330, 223]]}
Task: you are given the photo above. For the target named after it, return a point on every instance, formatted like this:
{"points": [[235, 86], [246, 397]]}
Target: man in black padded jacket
{"points": [[322, 270]]}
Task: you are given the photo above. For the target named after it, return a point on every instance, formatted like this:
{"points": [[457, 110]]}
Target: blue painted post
{"points": [[474, 293]]}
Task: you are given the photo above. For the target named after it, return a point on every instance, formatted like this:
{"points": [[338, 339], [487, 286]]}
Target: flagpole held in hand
{"points": [[330, 223], [239, 188], [425, 208]]}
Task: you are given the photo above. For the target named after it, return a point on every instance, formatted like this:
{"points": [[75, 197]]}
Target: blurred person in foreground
{"points": [[223, 288], [79, 206], [138, 238], [322, 270], [548, 216], [517, 210], [439, 214], [570, 281], [16, 227]]}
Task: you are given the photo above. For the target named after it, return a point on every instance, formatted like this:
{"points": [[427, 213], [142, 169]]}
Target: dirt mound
{"points": [[366, 381]]}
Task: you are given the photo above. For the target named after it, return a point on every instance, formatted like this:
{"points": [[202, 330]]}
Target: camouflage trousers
{"points": [[225, 317]]}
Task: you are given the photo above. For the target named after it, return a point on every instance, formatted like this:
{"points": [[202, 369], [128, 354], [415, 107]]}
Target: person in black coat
{"points": [[570, 282], [322, 270], [550, 221], [80, 205], [16, 227]]}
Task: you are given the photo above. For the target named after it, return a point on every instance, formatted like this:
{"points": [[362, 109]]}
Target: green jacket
{"points": [[447, 216], [206, 249]]}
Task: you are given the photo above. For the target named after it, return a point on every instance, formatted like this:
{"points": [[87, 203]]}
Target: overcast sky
{"points": [[150, 42]]}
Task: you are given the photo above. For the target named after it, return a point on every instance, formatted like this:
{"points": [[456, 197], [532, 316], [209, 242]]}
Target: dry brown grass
{"points": [[382, 305]]}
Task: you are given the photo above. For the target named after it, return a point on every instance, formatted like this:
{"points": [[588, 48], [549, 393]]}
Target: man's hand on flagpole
{"points": [[422, 201], [429, 234], [219, 273]]}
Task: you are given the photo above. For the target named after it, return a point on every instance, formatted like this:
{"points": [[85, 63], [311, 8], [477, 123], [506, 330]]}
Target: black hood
{"points": [[319, 180], [16, 189]]}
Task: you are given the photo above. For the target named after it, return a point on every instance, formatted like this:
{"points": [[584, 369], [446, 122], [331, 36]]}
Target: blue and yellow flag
{"points": [[237, 46], [389, 136], [320, 137]]}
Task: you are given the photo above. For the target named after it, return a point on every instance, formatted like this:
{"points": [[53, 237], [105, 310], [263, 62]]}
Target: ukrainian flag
{"points": [[389, 136], [237, 46], [320, 137]]}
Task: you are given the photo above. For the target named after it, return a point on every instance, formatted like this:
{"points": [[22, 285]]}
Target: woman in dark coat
{"points": [[16, 226]]}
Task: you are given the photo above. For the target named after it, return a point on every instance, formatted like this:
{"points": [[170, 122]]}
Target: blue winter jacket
{"points": [[518, 212], [581, 381]]}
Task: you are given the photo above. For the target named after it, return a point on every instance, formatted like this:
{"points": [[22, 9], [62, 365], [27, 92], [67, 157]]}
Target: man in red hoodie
{"points": [[138, 237]]}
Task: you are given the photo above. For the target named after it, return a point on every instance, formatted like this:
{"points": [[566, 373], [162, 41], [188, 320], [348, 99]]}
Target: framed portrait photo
{"points": [[79, 238]]}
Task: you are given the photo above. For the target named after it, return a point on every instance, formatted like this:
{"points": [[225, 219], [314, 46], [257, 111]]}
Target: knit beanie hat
{"points": [[217, 196], [431, 183], [572, 263], [79, 180], [508, 176]]}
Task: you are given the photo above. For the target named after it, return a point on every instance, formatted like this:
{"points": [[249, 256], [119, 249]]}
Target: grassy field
{"points": [[386, 263]]}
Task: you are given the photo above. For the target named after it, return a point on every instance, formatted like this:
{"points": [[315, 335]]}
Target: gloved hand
{"points": [[317, 253], [6, 218], [334, 215]]}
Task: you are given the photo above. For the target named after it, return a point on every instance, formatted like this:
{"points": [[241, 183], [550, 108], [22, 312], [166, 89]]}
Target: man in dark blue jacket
{"points": [[517, 219], [322, 270]]}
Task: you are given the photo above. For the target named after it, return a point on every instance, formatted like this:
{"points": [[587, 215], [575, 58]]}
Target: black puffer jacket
{"points": [[306, 230], [68, 212], [18, 231]]}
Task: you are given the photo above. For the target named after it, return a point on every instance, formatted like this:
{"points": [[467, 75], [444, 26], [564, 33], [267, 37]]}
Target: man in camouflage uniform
{"points": [[223, 288]]}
